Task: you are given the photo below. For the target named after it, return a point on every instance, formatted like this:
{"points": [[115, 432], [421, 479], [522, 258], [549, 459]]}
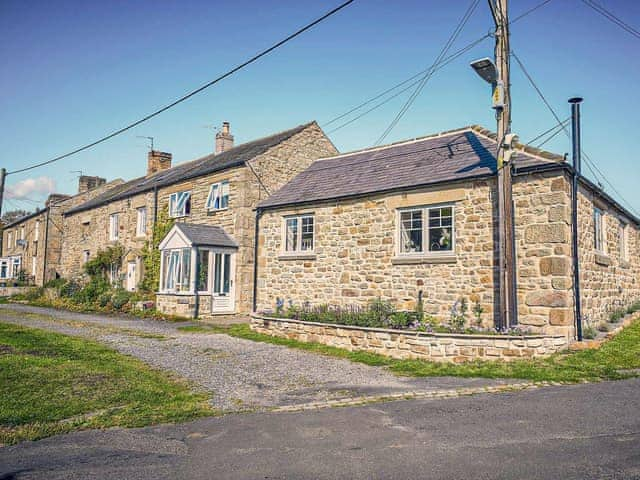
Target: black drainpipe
{"points": [[577, 166], [255, 259]]}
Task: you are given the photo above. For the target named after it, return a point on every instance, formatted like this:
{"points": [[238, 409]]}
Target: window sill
{"points": [[297, 256], [211, 211], [176, 294], [430, 259], [603, 259]]}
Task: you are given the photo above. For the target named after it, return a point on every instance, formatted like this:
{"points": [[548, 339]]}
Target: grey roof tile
{"points": [[449, 157], [207, 235], [202, 166]]}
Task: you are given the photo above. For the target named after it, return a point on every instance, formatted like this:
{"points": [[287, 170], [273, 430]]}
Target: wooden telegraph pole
{"points": [[502, 100]]}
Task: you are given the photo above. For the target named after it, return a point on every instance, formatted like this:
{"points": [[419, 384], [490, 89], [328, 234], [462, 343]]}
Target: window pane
{"points": [[292, 235], [307, 233], [217, 270], [224, 202], [185, 270], [203, 270], [411, 231], [226, 284], [212, 200]]}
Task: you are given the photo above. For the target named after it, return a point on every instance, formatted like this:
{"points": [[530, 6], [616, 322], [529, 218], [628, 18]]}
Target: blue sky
{"points": [[74, 71]]}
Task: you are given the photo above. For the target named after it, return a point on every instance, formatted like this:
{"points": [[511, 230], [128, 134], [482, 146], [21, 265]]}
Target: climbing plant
{"points": [[99, 266], [151, 255]]}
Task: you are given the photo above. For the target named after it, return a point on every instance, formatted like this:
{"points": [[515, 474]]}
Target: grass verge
{"points": [[606, 363], [52, 383]]}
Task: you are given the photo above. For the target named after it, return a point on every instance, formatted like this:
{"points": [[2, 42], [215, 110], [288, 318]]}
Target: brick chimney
{"points": [[86, 183], [224, 139], [157, 161], [54, 198]]}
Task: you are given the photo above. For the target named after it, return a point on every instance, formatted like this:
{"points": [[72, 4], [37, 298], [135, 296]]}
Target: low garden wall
{"points": [[411, 344], [10, 291]]}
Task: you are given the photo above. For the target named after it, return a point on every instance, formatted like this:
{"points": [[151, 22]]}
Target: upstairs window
{"points": [[426, 230], [9, 239], [218, 198], [622, 238], [36, 232], [113, 227], [598, 230], [299, 234], [22, 233], [180, 204], [141, 222]]}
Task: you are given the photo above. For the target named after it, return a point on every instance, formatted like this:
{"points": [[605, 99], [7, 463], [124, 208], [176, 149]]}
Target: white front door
{"points": [[222, 296], [131, 276]]}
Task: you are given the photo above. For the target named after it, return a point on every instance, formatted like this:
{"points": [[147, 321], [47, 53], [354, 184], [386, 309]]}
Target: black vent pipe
{"points": [[577, 168]]}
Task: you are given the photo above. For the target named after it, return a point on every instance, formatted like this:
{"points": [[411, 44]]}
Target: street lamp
{"points": [[488, 71]]}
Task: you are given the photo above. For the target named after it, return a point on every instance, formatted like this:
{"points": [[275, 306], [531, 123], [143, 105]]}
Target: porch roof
{"points": [[206, 235]]}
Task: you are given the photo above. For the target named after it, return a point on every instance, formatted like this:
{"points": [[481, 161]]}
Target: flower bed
{"points": [[403, 344]]}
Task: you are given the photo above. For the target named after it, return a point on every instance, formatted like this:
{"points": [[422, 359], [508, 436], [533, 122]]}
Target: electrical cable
{"points": [[190, 94], [612, 18]]}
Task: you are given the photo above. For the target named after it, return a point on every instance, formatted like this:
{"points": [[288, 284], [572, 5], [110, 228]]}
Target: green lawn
{"points": [[605, 363], [52, 383]]}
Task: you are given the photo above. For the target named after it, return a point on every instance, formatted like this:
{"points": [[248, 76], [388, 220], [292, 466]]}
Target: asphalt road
{"points": [[585, 431]]}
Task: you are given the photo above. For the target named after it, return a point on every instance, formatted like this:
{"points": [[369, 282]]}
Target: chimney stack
{"points": [[86, 183], [224, 139], [157, 161], [54, 198]]}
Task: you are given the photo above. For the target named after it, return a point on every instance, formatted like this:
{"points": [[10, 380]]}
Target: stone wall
{"points": [[89, 230], [608, 281], [543, 249], [355, 257], [413, 345], [35, 245]]}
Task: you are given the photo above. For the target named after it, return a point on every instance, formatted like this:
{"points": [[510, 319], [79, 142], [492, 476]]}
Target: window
{"points": [[203, 270], [141, 222], [434, 235], [22, 233], [9, 239], [36, 232], [180, 204], [299, 234], [33, 265], [113, 227], [35, 248], [15, 267], [114, 274], [86, 255], [4, 268], [622, 238], [177, 270], [598, 223], [218, 198]]}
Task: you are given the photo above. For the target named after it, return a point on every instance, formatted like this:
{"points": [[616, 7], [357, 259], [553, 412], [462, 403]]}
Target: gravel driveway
{"points": [[240, 374]]}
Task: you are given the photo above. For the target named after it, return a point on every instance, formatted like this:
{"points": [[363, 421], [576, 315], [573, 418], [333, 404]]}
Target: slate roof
{"points": [[206, 235], [450, 156], [233, 157]]}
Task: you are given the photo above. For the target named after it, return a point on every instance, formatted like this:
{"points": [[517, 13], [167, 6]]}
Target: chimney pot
{"points": [[224, 139], [158, 161], [87, 182]]}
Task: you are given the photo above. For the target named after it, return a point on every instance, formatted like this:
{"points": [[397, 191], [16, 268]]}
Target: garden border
{"points": [[442, 347]]}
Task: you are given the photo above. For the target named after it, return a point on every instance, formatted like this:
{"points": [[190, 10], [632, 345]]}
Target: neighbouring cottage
{"points": [[207, 258], [418, 219], [31, 245]]}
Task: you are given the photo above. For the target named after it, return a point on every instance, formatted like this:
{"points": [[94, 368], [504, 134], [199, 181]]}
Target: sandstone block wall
{"points": [[355, 258], [413, 345]]}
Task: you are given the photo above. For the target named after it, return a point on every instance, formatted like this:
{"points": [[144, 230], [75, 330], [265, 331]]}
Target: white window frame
{"points": [[22, 232], [10, 239], [34, 263], [425, 252], [36, 232], [624, 241], [599, 231], [217, 193], [114, 227], [4, 268], [171, 269], [208, 282], [16, 266], [178, 202], [141, 221], [297, 248]]}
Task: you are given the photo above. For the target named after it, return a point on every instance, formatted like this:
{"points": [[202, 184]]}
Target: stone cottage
{"points": [[211, 198], [418, 219], [31, 246]]}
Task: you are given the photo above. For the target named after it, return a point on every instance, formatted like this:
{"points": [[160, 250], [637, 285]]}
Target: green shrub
{"points": [[55, 283], [120, 298], [34, 294], [104, 299], [616, 316], [69, 289], [400, 320], [589, 333]]}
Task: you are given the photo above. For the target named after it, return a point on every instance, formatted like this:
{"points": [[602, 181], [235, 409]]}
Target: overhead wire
{"points": [[427, 76], [190, 94], [591, 165], [612, 18]]}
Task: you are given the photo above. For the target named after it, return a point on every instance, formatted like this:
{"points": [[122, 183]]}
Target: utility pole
{"points": [[501, 95]]}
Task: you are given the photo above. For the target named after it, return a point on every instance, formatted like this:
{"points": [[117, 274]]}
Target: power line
{"points": [[588, 162], [192, 93], [430, 72], [538, 137], [612, 18], [444, 62]]}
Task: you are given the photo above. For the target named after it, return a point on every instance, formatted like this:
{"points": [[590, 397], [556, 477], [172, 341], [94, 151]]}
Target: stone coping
{"points": [[468, 336]]}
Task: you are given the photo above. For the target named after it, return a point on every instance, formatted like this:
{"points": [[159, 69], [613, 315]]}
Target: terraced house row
{"points": [[286, 219]]}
